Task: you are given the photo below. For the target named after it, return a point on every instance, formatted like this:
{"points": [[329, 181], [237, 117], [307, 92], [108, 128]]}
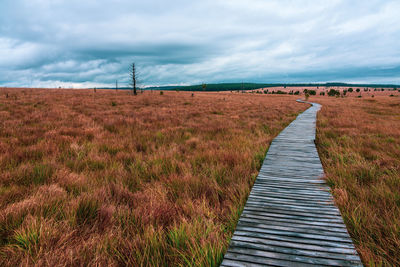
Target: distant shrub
{"points": [[322, 93], [312, 92], [333, 92], [297, 93], [350, 90], [358, 90], [161, 93], [391, 95], [113, 104]]}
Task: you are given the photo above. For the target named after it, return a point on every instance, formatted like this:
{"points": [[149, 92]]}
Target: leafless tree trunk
{"points": [[133, 77]]}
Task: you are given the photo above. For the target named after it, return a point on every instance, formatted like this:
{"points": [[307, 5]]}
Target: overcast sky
{"points": [[82, 43]]}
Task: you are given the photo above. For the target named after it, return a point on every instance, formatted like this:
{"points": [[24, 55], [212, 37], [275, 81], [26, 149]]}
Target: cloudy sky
{"points": [[82, 43]]}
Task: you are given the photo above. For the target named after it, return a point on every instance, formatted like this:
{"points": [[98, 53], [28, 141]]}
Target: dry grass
{"points": [[359, 145], [110, 179]]}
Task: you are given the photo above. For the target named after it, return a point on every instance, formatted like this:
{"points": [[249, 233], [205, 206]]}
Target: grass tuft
{"points": [[87, 211]]}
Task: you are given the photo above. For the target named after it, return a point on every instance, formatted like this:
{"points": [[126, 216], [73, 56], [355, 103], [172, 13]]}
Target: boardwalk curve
{"points": [[290, 218]]}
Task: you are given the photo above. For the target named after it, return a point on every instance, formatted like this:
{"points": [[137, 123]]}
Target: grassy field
{"points": [[107, 178], [359, 144]]}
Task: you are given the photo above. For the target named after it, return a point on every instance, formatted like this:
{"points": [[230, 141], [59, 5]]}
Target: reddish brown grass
{"points": [[107, 178], [359, 145]]}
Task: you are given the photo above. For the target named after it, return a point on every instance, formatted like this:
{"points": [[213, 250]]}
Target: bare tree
{"points": [[132, 70]]}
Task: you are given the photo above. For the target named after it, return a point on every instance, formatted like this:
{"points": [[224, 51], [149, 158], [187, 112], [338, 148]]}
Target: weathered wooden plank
{"points": [[294, 208], [294, 202], [250, 243], [293, 257], [313, 191], [305, 222], [262, 260], [287, 185], [288, 215], [283, 244], [288, 233], [291, 195], [301, 240], [298, 224], [290, 218], [237, 263], [260, 203], [292, 228], [291, 212]]}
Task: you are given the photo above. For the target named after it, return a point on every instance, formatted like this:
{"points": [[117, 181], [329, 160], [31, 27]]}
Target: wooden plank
{"points": [[295, 258], [329, 230], [334, 212], [264, 261], [315, 204], [283, 195], [291, 212], [304, 222], [249, 243], [285, 244], [294, 229], [288, 215], [290, 218], [237, 263], [287, 233], [313, 191], [284, 204]]}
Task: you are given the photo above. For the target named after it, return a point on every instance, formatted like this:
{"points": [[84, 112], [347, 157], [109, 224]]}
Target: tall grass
{"points": [[149, 181], [359, 144]]}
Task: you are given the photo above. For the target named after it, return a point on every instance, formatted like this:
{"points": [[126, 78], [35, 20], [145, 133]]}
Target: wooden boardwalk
{"points": [[290, 218]]}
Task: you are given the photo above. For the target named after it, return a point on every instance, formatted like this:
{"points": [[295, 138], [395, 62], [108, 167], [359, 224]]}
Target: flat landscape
{"points": [[143, 133], [108, 178]]}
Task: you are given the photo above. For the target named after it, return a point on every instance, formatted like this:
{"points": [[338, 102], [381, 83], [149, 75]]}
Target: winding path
{"points": [[290, 218]]}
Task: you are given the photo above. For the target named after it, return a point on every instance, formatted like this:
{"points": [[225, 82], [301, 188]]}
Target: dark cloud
{"points": [[91, 43]]}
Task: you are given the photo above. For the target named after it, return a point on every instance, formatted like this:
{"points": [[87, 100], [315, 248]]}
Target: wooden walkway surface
{"points": [[290, 218]]}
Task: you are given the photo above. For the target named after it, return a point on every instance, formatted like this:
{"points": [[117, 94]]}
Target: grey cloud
{"points": [[92, 43]]}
